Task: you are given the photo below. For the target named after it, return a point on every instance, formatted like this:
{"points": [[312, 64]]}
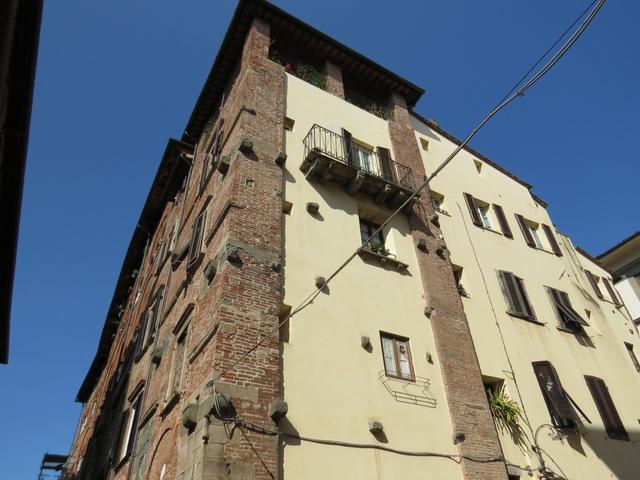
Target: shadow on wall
{"points": [[621, 457]]}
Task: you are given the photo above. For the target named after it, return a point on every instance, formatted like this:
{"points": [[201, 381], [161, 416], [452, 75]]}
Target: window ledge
{"points": [[367, 254], [526, 317], [141, 353], [543, 250], [441, 212], [492, 230]]}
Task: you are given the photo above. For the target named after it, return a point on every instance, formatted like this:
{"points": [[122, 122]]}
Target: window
{"points": [[612, 293], [556, 399], [457, 276], [534, 234], [569, 318], [179, 354], [128, 428], [612, 423], [478, 211], [397, 357], [502, 220], [140, 335], [424, 143], [483, 210], [632, 354], [593, 280], [516, 295], [436, 202], [195, 245], [367, 229], [210, 159], [531, 233], [478, 165], [153, 314]]}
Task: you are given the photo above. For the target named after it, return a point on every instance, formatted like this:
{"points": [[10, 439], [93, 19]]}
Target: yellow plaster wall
{"points": [[332, 385], [507, 344]]}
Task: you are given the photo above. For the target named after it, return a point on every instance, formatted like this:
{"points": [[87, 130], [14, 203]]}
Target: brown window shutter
{"points": [[528, 310], [562, 414], [612, 423], [473, 210], [195, 245], [594, 283], [552, 240], [502, 220], [612, 292], [387, 165], [525, 231], [346, 139]]}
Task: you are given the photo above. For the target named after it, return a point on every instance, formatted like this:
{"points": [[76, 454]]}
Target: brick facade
{"points": [[466, 398], [229, 297]]}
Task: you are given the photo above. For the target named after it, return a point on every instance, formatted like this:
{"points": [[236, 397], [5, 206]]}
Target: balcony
{"points": [[332, 157]]}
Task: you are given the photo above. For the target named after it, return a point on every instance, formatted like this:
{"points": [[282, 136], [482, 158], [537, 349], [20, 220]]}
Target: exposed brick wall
{"points": [[333, 76], [466, 398]]}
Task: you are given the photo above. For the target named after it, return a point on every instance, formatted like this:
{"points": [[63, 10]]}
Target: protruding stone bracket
{"points": [[356, 182], [278, 410], [382, 195]]}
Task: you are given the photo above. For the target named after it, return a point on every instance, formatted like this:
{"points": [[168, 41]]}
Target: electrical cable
{"points": [[510, 98], [369, 446]]}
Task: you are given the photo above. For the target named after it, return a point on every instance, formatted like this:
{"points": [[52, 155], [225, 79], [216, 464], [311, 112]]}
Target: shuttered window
{"points": [[140, 335], [593, 280], [179, 354], [552, 240], [473, 210], [612, 423], [128, 429], [526, 231], [210, 159], [346, 145], [502, 220], [632, 354], [560, 410], [516, 295], [612, 292], [397, 357], [195, 245], [386, 164], [153, 315], [569, 318]]}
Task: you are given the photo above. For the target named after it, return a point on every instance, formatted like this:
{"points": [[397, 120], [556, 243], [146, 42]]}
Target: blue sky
{"points": [[116, 79]]}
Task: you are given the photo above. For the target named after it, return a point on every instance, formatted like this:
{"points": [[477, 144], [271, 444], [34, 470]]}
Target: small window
{"points": [[602, 398], [139, 336], [397, 357], [483, 211], [178, 361], [569, 318], [367, 230], [195, 246], [534, 233], [286, 207], [594, 281], [556, 399], [153, 315], [478, 165], [516, 295], [424, 143], [436, 202], [632, 354], [128, 427]]}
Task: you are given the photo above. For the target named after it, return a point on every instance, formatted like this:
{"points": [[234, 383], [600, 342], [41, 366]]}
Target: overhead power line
{"points": [[520, 89]]}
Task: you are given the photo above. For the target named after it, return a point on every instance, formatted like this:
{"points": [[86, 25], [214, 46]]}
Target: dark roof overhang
{"points": [[19, 38], [286, 27], [166, 184]]}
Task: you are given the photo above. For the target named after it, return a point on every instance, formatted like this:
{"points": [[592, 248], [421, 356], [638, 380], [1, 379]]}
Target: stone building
{"points": [[297, 151]]}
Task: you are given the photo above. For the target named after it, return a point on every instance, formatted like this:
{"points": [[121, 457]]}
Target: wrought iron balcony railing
{"points": [[320, 141]]}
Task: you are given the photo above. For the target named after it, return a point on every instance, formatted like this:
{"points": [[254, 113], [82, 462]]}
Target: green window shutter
{"points": [[552, 240]]}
